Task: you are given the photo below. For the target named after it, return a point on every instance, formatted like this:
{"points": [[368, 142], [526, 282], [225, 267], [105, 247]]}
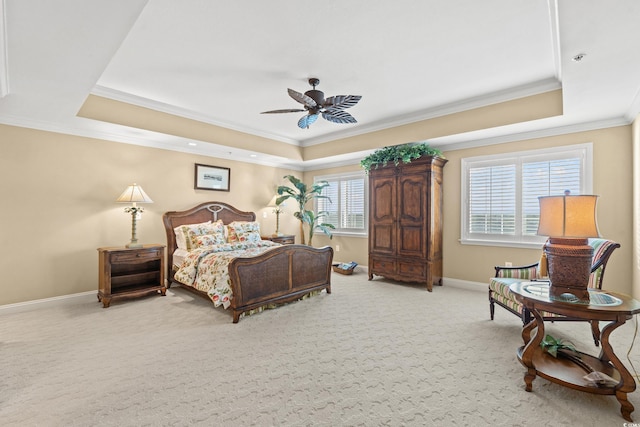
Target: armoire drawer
{"points": [[383, 265], [413, 269]]}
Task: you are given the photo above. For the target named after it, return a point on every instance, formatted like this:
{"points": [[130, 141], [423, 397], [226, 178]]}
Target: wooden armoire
{"points": [[405, 221]]}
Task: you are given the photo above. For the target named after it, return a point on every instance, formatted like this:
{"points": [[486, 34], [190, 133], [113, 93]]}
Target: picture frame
{"points": [[214, 178]]}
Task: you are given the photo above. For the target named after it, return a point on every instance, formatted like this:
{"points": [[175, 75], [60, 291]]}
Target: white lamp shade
{"points": [[134, 194], [568, 216]]}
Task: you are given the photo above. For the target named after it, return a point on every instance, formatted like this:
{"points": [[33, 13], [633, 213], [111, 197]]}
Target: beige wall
{"points": [[612, 182], [58, 195]]}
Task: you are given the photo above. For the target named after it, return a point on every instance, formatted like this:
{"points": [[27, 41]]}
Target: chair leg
{"points": [[492, 305], [595, 331]]}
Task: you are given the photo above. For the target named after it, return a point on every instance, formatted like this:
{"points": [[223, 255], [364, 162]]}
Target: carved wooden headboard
{"points": [[212, 211]]}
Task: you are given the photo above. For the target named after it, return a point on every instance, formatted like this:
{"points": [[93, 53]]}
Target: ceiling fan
{"points": [[332, 108]]}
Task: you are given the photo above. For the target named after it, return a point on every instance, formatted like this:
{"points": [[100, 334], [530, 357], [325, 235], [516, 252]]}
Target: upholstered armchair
{"points": [[499, 285]]}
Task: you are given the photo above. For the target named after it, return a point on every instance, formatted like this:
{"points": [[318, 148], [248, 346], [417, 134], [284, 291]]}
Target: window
{"points": [[347, 210], [500, 192]]}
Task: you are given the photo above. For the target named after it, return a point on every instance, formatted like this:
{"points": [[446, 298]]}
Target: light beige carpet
{"points": [[371, 353]]}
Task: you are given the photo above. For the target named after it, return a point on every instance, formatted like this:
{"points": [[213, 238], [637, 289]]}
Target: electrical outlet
{"points": [[337, 248], [508, 264], [264, 214]]}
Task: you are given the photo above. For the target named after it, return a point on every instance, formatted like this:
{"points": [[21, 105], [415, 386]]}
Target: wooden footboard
{"points": [[279, 275]]}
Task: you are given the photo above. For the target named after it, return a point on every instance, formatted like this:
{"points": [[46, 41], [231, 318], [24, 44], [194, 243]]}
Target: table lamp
{"points": [[568, 221], [277, 209], [134, 194]]}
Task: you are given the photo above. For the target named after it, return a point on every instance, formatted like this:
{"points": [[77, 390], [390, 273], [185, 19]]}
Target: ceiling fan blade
{"points": [[302, 98], [342, 101], [338, 116], [305, 121], [287, 110]]}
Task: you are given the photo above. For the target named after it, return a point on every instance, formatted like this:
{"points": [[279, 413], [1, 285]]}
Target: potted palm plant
{"points": [[302, 194]]}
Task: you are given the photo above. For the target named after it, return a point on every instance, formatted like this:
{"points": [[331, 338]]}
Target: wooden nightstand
{"points": [[125, 272], [285, 239]]}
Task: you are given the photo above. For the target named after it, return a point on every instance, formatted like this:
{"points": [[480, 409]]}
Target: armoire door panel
{"points": [[412, 241], [383, 200], [411, 198], [383, 238]]}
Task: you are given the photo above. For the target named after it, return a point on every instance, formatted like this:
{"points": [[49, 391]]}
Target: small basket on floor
{"points": [[345, 268]]}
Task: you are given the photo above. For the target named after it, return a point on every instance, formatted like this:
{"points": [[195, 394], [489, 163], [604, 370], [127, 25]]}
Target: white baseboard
{"points": [[446, 281], [466, 284], [28, 305]]}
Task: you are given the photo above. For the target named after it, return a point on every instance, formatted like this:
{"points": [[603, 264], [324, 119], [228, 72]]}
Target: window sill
{"points": [[505, 244], [347, 234]]}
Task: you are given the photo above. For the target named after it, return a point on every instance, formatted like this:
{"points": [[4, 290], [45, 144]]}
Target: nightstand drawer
{"points": [[285, 239], [136, 255]]}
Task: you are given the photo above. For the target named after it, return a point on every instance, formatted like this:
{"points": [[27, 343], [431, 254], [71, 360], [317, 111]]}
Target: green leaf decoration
{"points": [[552, 345], [404, 153]]}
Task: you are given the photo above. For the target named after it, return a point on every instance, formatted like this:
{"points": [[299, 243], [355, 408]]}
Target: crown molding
{"points": [[128, 98], [122, 134], [530, 89], [4, 63], [505, 95], [554, 25], [449, 144], [634, 108], [153, 140]]}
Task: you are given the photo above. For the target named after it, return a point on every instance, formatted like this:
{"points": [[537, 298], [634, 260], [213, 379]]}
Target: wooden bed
{"points": [[284, 273]]}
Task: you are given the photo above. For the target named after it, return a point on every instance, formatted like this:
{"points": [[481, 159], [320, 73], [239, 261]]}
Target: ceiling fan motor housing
{"points": [[316, 95]]}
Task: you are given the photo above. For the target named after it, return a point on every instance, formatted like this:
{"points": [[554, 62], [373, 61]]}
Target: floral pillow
{"points": [[207, 240], [243, 231], [212, 234], [183, 240]]}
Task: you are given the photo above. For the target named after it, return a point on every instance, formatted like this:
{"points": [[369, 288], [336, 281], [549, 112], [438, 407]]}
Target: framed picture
{"points": [[212, 178]]}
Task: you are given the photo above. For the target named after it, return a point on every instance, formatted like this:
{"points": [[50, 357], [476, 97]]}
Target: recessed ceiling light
{"points": [[253, 155], [193, 144], [579, 57]]}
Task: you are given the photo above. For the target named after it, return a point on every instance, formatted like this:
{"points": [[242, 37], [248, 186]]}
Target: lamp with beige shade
{"points": [[568, 221], [134, 194]]}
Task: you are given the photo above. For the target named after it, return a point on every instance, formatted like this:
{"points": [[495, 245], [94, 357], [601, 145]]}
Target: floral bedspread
{"points": [[206, 268]]}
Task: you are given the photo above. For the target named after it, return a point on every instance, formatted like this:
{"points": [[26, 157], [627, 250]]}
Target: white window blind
{"points": [[346, 206], [500, 193], [492, 196]]}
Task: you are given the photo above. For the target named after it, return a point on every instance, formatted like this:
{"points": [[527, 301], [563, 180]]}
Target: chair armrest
{"points": [[521, 272]]}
